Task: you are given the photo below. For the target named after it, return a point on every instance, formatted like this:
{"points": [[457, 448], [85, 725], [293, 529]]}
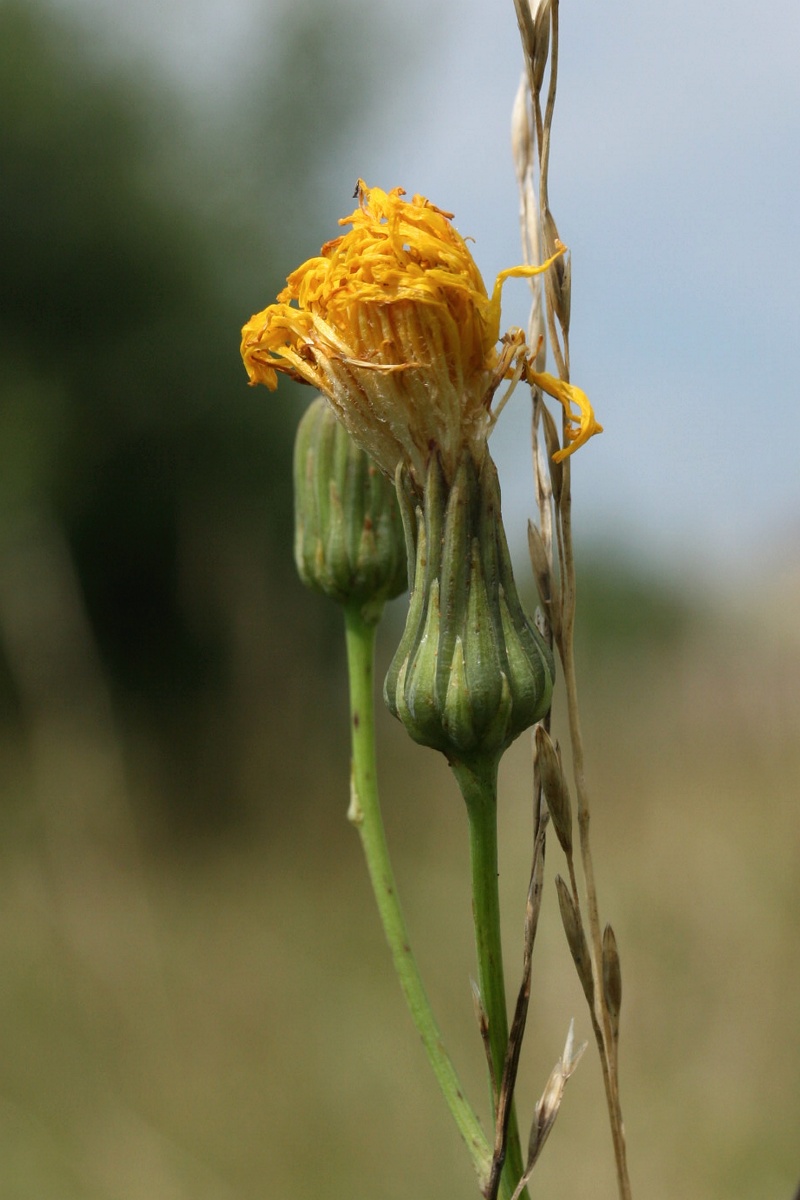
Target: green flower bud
{"points": [[349, 541], [471, 671]]}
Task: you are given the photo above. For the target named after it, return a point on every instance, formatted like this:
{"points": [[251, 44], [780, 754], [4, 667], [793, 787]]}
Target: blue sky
{"points": [[675, 176]]}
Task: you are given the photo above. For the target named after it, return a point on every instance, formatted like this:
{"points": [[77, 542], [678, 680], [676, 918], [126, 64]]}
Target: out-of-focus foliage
{"points": [[133, 245], [622, 609]]}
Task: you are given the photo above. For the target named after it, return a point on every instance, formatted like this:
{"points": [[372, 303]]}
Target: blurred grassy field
{"points": [[222, 1022]]}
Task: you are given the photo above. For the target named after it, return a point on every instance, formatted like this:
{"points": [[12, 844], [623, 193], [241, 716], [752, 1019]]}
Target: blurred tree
{"points": [[124, 413]]}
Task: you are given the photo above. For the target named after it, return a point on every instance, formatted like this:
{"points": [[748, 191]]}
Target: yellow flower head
{"points": [[393, 323]]}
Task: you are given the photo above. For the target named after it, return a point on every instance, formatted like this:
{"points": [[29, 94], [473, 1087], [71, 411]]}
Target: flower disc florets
{"points": [[393, 323]]}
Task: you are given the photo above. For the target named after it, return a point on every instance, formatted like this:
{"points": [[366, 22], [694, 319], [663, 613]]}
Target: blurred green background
{"points": [[195, 1000]]}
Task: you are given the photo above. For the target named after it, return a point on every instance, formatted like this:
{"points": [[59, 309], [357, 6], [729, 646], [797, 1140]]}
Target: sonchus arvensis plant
{"points": [[393, 324]]}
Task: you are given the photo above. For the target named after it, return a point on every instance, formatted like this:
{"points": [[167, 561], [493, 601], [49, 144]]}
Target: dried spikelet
{"points": [[522, 145], [541, 44], [521, 140], [534, 29], [543, 551], [549, 1103], [542, 573], [564, 308], [576, 939], [559, 276], [527, 31], [553, 446], [555, 788], [612, 979], [544, 493]]}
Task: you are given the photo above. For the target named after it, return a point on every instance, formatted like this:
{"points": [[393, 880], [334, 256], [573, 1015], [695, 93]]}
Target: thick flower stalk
{"points": [[393, 323]]}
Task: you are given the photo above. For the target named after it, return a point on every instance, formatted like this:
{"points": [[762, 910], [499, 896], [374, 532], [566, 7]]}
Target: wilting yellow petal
{"points": [[582, 424]]}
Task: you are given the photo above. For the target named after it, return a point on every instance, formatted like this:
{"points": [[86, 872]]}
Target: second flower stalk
{"points": [[471, 673]]}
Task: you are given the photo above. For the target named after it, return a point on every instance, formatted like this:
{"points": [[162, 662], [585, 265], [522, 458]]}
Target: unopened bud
{"points": [[349, 541]]}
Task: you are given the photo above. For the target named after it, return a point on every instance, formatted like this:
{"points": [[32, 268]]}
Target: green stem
{"points": [[365, 814], [478, 784]]}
